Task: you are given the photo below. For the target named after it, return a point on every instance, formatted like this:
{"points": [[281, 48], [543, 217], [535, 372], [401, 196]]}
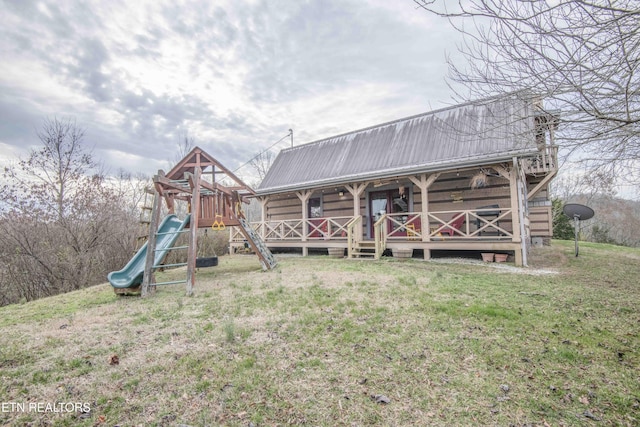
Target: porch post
{"points": [[304, 198], [356, 191], [423, 182], [523, 211], [512, 176], [515, 214], [263, 214]]}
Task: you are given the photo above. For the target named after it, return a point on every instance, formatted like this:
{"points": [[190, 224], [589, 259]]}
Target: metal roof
{"points": [[470, 134]]}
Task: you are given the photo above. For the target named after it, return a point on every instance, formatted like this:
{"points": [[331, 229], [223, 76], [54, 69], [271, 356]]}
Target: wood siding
{"points": [[450, 192], [541, 221], [540, 210]]}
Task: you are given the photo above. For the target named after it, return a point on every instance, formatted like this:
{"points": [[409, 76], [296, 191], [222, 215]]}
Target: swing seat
{"points": [[218, 224], [206, 262]]}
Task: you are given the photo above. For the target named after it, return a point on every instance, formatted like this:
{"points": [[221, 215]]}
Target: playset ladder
{"points": [[161, 264], [145, 219], [178, 264], [267, 259]]}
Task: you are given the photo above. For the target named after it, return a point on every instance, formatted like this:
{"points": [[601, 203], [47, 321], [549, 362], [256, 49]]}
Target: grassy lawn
{"points": [[331, 342]]}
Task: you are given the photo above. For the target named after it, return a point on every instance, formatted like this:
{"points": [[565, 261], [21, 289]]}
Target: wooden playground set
{"points": [[214, 196]]}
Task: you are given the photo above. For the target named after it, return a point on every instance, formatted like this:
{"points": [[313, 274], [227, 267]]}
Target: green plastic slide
{"points": [[131, 275]]}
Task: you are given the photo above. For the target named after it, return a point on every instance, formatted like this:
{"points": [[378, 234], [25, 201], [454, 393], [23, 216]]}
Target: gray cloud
{"points": [[235, 76]]}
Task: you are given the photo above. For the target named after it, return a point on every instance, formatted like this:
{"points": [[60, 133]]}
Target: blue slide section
{"points": [[131, 275]]}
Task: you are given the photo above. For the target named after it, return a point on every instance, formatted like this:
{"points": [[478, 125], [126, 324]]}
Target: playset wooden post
{"points": [[194, 182], [148, 277]]}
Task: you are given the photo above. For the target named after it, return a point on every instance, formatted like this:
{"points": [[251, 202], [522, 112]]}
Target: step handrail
{"points": [[380, 235], [352, 235]]}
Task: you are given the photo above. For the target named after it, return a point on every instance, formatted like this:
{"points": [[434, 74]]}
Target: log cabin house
{"points": [[469, 177]]}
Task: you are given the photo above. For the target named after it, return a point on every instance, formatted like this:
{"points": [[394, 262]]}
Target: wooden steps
{"points": [[364, 249]]}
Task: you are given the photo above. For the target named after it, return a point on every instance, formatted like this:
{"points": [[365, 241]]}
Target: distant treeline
{"points": [[616, 221]]}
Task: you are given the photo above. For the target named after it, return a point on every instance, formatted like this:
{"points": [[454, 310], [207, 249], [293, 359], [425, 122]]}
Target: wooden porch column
{"points": [[512, 176], [304, 198], [523, 211], [423, 182], [263, 214], [356, 191]]}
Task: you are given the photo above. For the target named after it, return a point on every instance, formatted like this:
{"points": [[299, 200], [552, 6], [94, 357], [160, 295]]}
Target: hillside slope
{"points": [[330, 342]]}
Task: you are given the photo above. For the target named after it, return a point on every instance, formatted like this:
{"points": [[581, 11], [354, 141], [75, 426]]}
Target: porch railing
{"points": [[482, 224], [477, 224], [330, 228], [403, 226]]}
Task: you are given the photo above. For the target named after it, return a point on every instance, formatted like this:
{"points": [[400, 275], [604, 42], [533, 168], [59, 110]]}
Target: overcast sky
{"points": [[235, 75]]}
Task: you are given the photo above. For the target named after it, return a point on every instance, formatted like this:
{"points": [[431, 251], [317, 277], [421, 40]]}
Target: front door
{"points": [[378, 203], [386, 202]]}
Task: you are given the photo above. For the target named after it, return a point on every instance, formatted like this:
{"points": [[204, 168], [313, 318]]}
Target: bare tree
{"points": [[186, 143], [60, 219], [261, 163], [582, 56], [52, 171], [568, 187]]}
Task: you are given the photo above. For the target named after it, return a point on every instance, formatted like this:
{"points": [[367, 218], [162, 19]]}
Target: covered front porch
{"points": [[482, 229]]}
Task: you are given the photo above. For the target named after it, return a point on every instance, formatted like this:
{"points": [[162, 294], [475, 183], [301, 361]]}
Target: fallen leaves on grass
{"points": [[381, 398]]}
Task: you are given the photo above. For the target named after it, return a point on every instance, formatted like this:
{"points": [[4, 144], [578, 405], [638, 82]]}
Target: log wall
{"points": [[450, 192]]}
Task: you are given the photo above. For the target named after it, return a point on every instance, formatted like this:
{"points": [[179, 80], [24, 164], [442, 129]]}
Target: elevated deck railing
{"points": [[545, 162]]}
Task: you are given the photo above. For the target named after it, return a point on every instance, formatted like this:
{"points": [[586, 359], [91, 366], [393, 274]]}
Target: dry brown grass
{"points": [[319, 341]]}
